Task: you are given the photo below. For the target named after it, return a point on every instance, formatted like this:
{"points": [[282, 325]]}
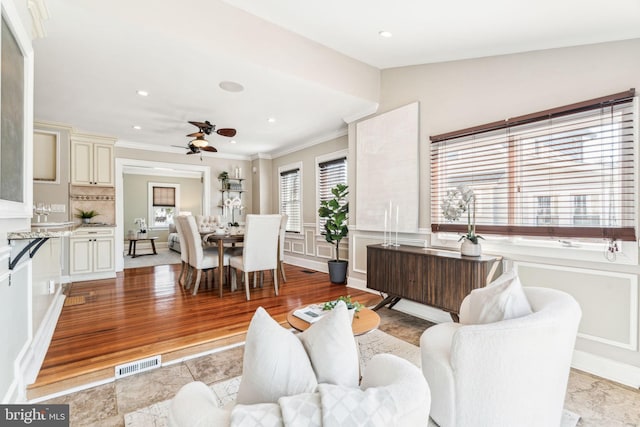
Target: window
{"points": [[291, 197], [163, 204], [566, 172], [331, 171]]}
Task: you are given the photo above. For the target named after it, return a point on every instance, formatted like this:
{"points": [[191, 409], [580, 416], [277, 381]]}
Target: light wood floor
{"points": [[144, 312]]}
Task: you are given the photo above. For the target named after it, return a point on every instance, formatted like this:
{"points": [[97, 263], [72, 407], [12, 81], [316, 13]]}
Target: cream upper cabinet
{"points": [[92, 160]]}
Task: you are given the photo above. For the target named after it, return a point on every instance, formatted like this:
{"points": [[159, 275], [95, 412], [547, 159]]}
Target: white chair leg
{"points": [[181, 274], [275, 279], [284, 278], [246, 284], [197, 284], [189, 278]]}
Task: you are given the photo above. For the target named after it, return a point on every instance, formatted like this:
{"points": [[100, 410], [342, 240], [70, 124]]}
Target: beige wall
{"points": [[136, 191], [459, 94], [456, 95], [308, 249], [216, 164], [56, 193]]}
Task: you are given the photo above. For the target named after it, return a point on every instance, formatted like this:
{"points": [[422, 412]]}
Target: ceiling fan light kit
{"points": [[200, 143]]}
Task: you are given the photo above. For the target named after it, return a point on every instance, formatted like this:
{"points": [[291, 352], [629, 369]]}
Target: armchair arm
{"points": [[405, 383]]}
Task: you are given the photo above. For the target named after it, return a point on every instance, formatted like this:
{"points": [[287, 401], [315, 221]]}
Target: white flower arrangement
{"points": [[142, 224], [458, 201]]}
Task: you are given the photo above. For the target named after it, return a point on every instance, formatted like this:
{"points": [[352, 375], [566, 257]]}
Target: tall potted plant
{"points": [[336, 213]]}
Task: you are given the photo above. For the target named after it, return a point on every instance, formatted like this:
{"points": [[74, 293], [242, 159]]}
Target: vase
{"points": [[468, 248]]}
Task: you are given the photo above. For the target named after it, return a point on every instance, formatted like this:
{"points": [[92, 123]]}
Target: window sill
{"points": [[557, 249]]}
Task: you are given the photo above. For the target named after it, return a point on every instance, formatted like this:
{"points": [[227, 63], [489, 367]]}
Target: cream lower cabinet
{"points": [[91, 254]]}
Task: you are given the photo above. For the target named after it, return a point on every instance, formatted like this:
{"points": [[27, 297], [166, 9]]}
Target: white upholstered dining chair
{"points": [[184, 253], [199, 259], [283, 230], [260, 249]]}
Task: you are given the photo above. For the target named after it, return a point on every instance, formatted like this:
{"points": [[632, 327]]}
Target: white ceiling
{"points": [[309, 64]]}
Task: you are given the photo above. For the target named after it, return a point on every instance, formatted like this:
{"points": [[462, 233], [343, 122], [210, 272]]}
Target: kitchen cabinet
{"points": [[92, 161], [91, 252]]}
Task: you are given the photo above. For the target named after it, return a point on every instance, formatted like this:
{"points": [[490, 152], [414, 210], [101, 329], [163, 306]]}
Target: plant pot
{"points": [[338, 272], [86, 220], [468, 248]]}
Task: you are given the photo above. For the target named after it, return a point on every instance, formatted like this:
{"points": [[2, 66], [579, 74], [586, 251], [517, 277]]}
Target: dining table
{"points": [[211, 239]]}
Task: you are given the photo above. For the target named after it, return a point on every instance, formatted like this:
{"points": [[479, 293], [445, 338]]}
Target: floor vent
{"points": [[138, 366], [308, 271]]}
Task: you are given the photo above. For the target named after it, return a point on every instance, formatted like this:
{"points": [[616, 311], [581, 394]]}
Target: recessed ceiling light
{"points": [[271, 120], [233, 141], [136, 127], [142, 93], [231, 86], [385, 34]]}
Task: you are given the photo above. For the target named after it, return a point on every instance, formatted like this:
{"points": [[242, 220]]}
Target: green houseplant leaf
{"points": [[336, 213]]}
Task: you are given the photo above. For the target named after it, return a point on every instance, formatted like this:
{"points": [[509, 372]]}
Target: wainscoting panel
{"points": [[609, 300], [297, 247], [324, 251], [309, 237], [360, 243]]}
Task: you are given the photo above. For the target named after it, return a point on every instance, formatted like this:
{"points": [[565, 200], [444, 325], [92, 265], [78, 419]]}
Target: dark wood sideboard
{"points": [[433, 277]]}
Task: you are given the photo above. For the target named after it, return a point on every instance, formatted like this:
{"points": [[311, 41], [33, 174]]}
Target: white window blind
{"points": [[290, 200], [565, 172], [330, 173]]}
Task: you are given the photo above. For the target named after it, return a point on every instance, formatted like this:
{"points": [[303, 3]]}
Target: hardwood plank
{"points": [[144, 312]]}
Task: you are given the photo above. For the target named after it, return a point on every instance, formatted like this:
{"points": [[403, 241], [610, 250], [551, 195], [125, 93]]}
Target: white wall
{"points": [[460, 94]]}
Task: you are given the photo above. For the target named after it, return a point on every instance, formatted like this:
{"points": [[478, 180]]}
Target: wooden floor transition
{"points": [[144, 312]]}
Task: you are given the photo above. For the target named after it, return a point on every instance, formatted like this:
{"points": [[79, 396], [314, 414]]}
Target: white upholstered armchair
{"points": [[508, 373]]}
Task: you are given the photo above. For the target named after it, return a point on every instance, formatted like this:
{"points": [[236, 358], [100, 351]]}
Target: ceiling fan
{"points": [[199, 144]]}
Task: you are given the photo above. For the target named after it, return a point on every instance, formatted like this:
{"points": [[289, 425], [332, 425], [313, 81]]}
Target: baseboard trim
{"points": [[622, 373], [42, 338], [307, 263]]}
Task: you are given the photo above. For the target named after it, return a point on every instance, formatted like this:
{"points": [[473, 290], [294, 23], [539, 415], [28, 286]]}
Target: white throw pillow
{"points": [[332, 349], [352, 407], [275, 363], [502, 299]]}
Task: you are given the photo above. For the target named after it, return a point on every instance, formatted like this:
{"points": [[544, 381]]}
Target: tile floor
{"points": [[600, 402]]}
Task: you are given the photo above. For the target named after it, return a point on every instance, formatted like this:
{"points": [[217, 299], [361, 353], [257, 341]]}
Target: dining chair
{"points": [[260, 249], [184, 252], [199, 259], [283, 229]]}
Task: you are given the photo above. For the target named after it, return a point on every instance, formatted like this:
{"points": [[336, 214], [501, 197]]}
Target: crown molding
{"points": [[39, 14], [315, 141]]}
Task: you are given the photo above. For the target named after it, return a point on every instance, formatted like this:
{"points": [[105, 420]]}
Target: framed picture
{"points": [[16, 116]]}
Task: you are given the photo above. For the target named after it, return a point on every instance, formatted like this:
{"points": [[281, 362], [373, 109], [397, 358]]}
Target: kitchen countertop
{"points": [[29, 235]]}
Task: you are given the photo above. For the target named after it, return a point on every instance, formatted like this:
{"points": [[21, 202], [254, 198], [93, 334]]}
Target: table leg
{"points": [[130, 244], [153, 246], [220, 264]]}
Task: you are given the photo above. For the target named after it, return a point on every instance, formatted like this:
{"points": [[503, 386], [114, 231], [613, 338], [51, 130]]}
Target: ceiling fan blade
{"points": [[195, 134], [226, 132], [202, 125], [193, 152], [209, 149]]}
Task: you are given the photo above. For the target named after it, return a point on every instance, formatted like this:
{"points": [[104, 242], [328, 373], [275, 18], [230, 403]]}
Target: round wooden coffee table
{"points": [[364, 321]]}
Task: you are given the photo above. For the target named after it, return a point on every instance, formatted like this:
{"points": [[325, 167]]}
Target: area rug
{"points": [[77, 300], [165, 256], [370, 344]]}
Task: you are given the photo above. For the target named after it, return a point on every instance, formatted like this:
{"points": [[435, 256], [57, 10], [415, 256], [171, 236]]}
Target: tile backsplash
{"points": [[99, 199]]}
